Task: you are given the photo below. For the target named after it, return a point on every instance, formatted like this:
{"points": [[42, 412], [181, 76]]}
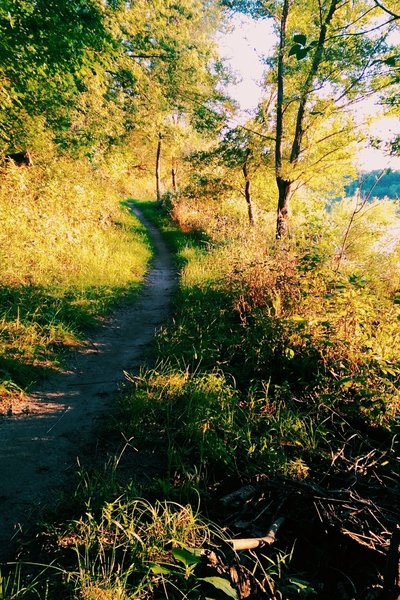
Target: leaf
{"points": [[223, 585], [302, 53], [159, 570], [294, 49], [300, 38], [186, 556]]}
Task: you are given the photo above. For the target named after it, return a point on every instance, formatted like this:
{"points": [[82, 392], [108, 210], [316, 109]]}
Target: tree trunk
{"points": [[158, 168], [282, 221], [174, 171], [283, 185], [247, 192]]}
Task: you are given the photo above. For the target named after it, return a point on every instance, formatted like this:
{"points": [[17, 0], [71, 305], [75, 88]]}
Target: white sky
{"points": [[243, 48]]}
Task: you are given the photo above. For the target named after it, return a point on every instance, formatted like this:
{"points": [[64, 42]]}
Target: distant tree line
{"points": [[376, 185]]}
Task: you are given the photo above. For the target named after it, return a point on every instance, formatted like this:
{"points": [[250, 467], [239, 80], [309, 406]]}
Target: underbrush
{"points": [[68, 251], [282, 363], [130, 549], [275, 398]]}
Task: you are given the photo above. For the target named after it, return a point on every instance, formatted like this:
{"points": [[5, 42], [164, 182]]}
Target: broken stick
{"points": [[252, 543]]}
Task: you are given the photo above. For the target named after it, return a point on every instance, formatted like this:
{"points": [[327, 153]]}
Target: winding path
{"points": [[39, 450]]}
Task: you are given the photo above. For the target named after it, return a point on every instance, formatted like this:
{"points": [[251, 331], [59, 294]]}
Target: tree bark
{"points": [[299, 131], [158, 168], [174, 171], [247, 189], [283, 183], [283, 198], [282, 220]]}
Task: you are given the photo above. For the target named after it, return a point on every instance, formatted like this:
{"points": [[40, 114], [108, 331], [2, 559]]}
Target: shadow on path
{"points": [[38, 450]]}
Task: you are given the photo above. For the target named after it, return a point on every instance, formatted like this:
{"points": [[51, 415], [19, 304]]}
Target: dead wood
{"points": [[238, 496], [257, 542]]}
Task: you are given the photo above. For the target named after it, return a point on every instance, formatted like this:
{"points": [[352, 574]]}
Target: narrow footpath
{"points": [[39, 450]]}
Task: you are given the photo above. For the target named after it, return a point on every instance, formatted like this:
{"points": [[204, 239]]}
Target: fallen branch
{"points": [[239, 496], [252, 543]]}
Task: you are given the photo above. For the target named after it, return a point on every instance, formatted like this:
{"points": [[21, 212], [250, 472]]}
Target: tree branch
{"points": [[296, 146], [386, 10]]}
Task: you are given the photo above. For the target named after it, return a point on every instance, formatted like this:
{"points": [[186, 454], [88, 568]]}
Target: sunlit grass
{"points": [[272, 361], [289, 337], [69, 251], [130, 549]]}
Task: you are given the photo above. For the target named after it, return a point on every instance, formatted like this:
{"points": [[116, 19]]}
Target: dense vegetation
{"points": [[88, 89], [274, 394], [69, 251]]}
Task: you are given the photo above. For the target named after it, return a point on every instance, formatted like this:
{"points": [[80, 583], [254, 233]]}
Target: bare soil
{"points": [[39, 446]]}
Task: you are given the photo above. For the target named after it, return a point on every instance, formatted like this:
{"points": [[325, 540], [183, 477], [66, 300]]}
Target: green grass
{"points": [[130, 549], [76, 253], [275, 365], [276, 371]]}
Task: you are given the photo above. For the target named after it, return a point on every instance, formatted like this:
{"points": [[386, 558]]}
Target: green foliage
{"points": [[88, 73], [325, 59], [289, 330], [46, 50], [279, 365], [131, 549]]}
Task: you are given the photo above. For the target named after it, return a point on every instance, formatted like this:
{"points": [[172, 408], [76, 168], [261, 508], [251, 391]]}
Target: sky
{"points": [[243, 48]]}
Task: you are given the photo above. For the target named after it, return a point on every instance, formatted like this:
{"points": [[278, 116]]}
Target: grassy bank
{"points": [[281, 372], [69, 251], [275, 396]]}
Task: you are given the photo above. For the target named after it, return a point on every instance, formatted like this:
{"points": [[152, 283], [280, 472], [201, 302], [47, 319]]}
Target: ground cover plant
{"points": [[275, 395], [75, 252], [272, 408], [281, 371]]}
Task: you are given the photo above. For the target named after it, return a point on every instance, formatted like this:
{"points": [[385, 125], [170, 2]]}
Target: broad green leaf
{"points": [[294, 49], [300, 38], [301, 53], [223, 585], [159, 570], [186, 556]]}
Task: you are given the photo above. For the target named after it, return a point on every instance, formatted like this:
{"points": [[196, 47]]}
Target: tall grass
{"points": [[267, 344], [130, 549], [68, 251], [277, 366], [278, 363]]}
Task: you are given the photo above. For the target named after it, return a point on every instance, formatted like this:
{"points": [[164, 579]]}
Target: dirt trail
{"points": [[38, 450]]}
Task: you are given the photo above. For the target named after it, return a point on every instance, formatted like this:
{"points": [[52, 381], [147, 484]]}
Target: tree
{"points": [[386, 8], [47, 47], [174, 70], [330, 54], [87, 73], [243, 149], [235, 163]]}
